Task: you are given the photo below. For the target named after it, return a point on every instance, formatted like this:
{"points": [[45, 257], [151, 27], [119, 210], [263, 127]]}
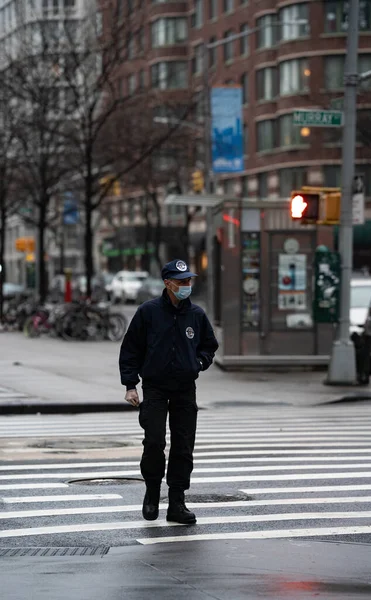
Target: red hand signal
{"points": [[298, 206]]}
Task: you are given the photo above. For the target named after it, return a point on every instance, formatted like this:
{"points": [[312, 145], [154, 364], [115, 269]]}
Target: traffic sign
{"points": [[358, 200], [318, 118]]}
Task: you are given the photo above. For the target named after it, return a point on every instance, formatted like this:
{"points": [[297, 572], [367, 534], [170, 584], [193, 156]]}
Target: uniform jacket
{"points": [[166, 343]]}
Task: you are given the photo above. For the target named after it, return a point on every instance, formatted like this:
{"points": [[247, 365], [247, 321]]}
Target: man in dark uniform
{"points": [[169, 341]]}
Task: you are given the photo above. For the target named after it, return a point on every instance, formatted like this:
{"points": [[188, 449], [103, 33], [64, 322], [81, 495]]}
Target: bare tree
{"points": [[110, 131], [8, 166]]}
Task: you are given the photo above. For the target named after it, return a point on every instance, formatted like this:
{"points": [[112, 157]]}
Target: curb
{"points": [[33, 408]]}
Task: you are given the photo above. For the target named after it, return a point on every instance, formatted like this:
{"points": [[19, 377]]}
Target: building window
{"points": [[244, 40], [332, 175], [131, 48], [263, 186], [266, 83], [246, 139], [294, 76], [212, 53], [197, 61], [294, 22], [334, 71], [337, 15], [132, 84], [245, 88], [289, 134], [141, 80], [141, 41], [198, 17], [267, 31], [169, 75], [292, 179], [228, 5], [228, 46], [213, 9], [166, 32], [266, 134]]}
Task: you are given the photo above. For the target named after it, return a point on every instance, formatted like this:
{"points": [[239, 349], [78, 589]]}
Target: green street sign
{"points": [[326, 301], [318, 118]]}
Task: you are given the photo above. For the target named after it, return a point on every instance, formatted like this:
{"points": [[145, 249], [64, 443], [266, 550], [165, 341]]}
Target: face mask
{"points": [[183, 292]]}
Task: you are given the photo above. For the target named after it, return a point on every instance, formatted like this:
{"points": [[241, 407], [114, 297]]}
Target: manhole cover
{"points": [[216, 497], [69, 551], [106, 481], [79, 444]]}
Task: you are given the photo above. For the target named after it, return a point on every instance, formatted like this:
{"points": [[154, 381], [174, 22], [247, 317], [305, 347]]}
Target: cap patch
{"points": [[181, 266]]}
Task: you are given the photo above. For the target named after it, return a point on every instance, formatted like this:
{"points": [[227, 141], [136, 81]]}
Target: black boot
{"points": [[177, 511], [151, 502]]}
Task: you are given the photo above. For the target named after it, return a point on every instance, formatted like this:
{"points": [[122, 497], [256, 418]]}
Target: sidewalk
{"points": [[50, 375], [223, 570]]}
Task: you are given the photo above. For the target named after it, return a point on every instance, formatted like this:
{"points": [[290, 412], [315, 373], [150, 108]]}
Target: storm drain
{"points": [[216, 497], [68, 551], [80, 444], [106, 481]]}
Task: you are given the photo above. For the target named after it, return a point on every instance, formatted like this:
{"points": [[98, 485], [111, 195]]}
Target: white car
{"points": [[125, 285], [360, 299]]}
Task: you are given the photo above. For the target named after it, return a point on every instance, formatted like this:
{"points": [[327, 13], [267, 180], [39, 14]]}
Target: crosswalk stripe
{"points": [[66, 498], [32, 486], [26, 514], [137, 472], [338, 451], [260, 535], [294, 477], [35, 531], [134, 463], [305, 489]]}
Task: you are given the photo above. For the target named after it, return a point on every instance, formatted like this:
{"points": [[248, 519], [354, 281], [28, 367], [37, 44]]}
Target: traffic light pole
{"points": [[208, 168], [342, 369]]}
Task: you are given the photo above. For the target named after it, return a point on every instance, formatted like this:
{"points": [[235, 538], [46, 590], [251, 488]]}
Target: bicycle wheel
{"points": [[29, 328], [73, 326], [116, 327]]}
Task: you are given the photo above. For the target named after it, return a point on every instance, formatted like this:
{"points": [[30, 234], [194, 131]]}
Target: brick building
{"points": [[292, 57]]}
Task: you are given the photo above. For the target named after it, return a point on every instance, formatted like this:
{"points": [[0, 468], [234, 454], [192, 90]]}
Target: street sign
{"points": [[326, 303], [318, 118], [358, 200]]}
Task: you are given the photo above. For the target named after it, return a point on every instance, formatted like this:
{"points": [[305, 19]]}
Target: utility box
{"points": [[264, 267]]}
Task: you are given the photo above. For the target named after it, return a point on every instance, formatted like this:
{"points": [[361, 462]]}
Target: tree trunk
{"points": [[147, 236], [158, 230], [2, 260], [88, 246], [42, 278]]}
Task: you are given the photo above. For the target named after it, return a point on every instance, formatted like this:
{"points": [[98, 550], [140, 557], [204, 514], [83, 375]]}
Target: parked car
{"points": [[151, 288], [125, 285], [360, 300], [10, 290]]}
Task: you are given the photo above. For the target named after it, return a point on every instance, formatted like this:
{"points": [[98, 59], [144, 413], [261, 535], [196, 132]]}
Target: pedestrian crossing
{"points": [[260, 473]]}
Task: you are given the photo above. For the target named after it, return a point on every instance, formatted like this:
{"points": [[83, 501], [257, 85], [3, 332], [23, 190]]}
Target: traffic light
{"points": [[332, 202], [198, 181], [305, 206]]}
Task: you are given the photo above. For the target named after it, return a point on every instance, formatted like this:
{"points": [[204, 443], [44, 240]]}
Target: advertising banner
{"points": [[227, 130]]}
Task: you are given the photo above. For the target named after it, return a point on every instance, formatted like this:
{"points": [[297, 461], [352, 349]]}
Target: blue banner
{"points": [[227, 130], [70, 209]]}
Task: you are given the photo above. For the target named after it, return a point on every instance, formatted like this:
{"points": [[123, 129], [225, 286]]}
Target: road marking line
{"points": [[19, 514], [293, 477], [300, 442], [259, 535], [32, 486], [137, 473], [290, 453], [315, 488], [134, 463], [34, 531], [66, 498]]}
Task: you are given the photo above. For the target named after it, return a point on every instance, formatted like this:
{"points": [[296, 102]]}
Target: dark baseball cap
{"points": [[176, 269]]}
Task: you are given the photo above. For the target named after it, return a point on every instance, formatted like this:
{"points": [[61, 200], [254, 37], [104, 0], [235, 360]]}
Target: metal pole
{"points": [[208, 167], [342, 369]]}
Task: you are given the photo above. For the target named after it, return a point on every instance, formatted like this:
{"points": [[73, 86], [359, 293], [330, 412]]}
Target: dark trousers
{"points": [[182, 408]]}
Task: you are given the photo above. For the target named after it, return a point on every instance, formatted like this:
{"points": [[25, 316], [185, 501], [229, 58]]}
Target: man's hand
{"points": [[132, 397]]}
